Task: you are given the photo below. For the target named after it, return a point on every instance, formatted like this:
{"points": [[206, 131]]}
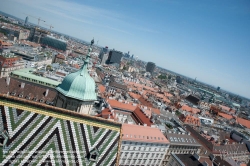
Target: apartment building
{"points": [[8, 63], [142, 145], [180, 143]]}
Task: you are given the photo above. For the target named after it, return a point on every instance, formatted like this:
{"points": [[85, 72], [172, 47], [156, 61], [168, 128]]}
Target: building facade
{"points": [[114, 57], [180, 144], [142, 145], [150, 67], [8, 63], [26, 74], [26, 20], [54, 43]]}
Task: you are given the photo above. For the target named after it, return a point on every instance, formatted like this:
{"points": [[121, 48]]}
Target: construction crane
{"points": [[38, 19], [50, 26]]}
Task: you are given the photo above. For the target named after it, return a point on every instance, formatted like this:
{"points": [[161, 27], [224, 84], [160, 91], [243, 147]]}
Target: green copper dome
{"points": [[79, 85]]}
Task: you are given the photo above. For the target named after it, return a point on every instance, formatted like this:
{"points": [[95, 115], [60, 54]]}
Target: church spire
{"points": [[84, 67]]}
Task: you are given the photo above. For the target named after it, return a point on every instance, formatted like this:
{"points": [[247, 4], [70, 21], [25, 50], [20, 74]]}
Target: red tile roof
{"points": [[134, 95], [140, 117], [142, 134], [244, 122], [156, 111], [121, 105], [3, 43], [60, 56], [191, 120], [225, 115], [190, 109], [101, 88]]}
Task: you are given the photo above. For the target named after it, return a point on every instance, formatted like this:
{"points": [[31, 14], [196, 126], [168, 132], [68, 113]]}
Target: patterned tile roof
{"points": [[40, 133]]}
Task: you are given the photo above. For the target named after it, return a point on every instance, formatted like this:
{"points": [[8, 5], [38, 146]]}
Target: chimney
{"points": [[8, 80], [22, 85], [47, 92]]}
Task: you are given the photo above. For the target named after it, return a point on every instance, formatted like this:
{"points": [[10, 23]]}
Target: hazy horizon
{"points": [[207, 40]]}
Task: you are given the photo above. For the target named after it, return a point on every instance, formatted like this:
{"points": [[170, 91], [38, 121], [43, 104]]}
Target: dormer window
{"points": [[93, 155]]}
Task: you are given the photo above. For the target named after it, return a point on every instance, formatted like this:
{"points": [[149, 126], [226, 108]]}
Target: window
{"points": [[93, 156], [142, 154], [131, 154]]}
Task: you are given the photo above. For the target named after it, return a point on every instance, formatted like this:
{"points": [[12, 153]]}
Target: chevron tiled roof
{"points": [[43, 134]]}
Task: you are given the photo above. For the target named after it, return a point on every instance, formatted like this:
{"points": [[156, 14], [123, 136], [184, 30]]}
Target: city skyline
{"points": [[207, 40]]}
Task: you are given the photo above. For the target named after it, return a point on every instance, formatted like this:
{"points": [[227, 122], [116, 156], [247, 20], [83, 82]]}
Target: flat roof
{"points": [[26, 73]]}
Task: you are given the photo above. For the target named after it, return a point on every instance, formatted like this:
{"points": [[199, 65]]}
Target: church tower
{"points": [[77, 92]]}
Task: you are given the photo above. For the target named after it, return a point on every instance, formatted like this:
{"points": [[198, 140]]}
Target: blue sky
{"points": [[207, 39]]}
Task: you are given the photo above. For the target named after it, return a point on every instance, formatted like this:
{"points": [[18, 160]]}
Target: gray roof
{"points": [[181, 139], [117, 85]]}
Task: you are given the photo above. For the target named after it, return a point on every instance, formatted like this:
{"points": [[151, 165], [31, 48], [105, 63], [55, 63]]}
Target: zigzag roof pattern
{"points": [[42, 135]]}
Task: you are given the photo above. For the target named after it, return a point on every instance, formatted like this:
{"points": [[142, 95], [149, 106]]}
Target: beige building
{"points": [[8, 63], [142, 145]]}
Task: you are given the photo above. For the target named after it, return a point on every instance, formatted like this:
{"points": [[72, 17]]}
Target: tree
{"points": [[162, 77], [48, 68]]}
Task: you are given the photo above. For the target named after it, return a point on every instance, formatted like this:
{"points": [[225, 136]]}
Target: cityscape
{"points": [[67, 100]]}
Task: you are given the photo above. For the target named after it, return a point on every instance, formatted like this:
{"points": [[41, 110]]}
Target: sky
{"points": [[207, 39]]}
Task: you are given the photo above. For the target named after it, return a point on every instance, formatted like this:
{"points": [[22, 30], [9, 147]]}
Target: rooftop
{"points": [[121, 105], [142, 134], [27, 73], [181, 139], [188, 159], [40, 129]]}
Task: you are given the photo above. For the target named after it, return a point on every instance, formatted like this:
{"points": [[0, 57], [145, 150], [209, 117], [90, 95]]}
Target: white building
{"points": [[142, 145]]}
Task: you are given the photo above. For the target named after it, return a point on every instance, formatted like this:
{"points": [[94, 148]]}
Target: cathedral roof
{"points": [[79, 85]]}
